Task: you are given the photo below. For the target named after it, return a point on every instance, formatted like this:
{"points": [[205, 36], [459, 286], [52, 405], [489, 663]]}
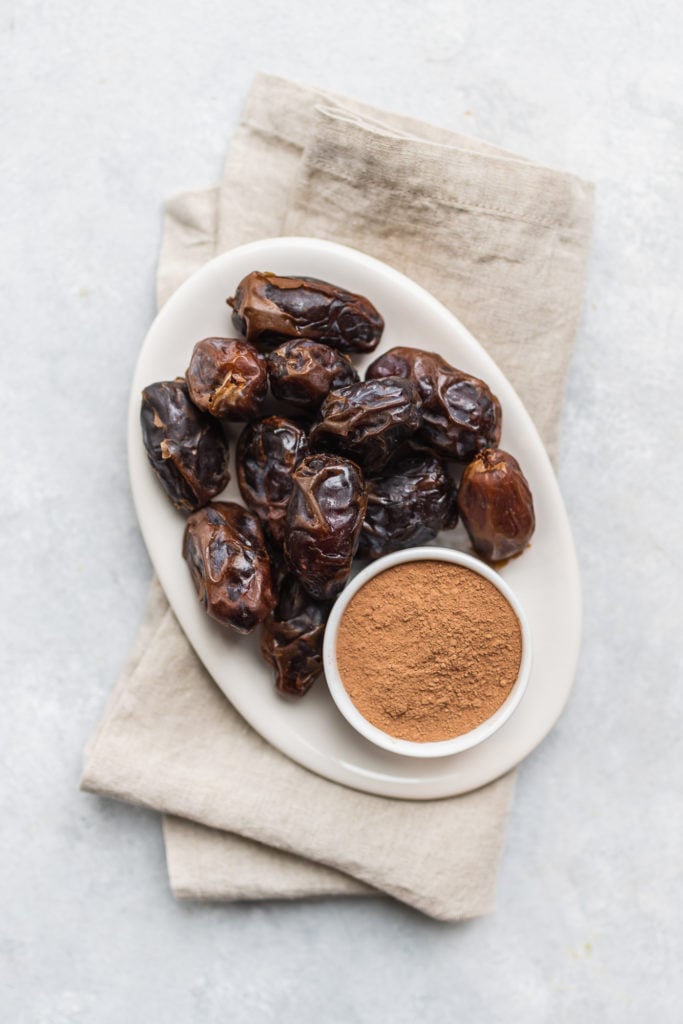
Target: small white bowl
{"points": [[410, 748]]}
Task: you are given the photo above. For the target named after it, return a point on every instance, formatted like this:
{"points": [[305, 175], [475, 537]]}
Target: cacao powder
{"points": [[428, 650]]}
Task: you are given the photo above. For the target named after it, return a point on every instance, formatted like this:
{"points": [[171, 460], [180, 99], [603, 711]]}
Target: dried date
{"points": [[496, 505], [407, 505], [366, 421], [292, 638], [460, 414], [226, 552], [269, 309], [304, 372], [268, 452], [324, 519], [228, 378], [186, 448]]}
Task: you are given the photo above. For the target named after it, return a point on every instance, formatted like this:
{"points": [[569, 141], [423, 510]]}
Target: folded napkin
{"points": [[503, 243]]}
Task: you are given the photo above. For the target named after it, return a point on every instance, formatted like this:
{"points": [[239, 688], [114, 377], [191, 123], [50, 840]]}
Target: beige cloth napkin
{"points": [[503, 243]]}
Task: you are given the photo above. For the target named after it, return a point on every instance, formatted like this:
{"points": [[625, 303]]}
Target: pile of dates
{"points": [[353, 468]]}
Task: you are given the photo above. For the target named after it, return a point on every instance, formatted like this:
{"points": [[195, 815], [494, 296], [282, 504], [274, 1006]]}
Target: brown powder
{"points": [[428, 650]]}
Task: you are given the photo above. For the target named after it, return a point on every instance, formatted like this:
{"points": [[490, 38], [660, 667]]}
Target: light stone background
{"points": [[106, 109]]}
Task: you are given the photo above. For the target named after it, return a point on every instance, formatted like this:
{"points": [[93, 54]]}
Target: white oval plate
{"points": [[545, 578]]}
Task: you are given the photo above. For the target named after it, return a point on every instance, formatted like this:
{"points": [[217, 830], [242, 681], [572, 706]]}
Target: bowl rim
{"points": [[413, 748]]}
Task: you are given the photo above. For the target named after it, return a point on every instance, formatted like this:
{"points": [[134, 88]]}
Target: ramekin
{"points": [[410, 748]]}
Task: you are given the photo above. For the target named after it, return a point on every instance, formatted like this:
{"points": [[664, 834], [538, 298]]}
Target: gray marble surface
{"points": [[107, 108]]}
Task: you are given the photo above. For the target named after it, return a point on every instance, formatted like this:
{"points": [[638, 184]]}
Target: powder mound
{"points": [[428, 650]]}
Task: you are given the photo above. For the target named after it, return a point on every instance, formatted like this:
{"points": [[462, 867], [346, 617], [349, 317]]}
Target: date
{"points": [[269, 310], [225, 550], [408, 504], [292, 638], [228, 378], [460, 414], [496, 505], [304, 372], [324, 520], [185, 447], [268, 452], [366, 421]]}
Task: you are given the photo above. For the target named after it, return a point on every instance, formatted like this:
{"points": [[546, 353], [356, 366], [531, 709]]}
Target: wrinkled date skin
{"points": [[225, 549], [366, 421], [269, 310], [304, 372], [460, 415], [408, 504], [292, 638], [268, 452], [228, 378], [186, 448], [496, 505], [324, 519]]}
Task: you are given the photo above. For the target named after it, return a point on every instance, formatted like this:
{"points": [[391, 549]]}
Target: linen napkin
{"points": [[503, 243]]}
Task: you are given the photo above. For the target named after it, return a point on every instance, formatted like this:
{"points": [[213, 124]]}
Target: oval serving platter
{"points": [[545, 578]]}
